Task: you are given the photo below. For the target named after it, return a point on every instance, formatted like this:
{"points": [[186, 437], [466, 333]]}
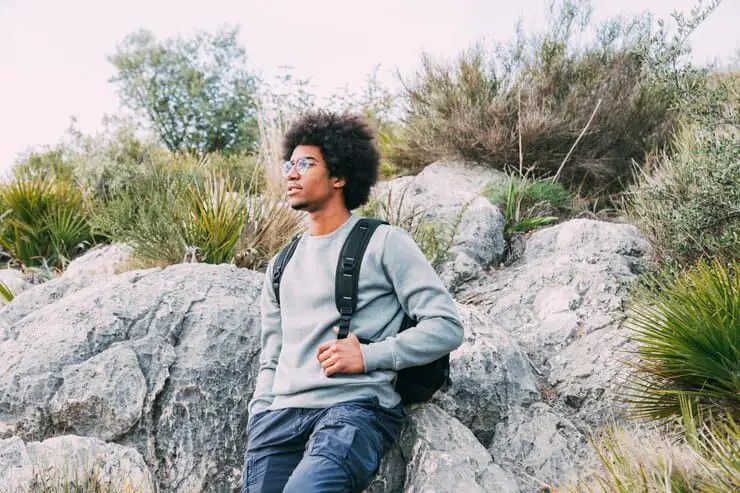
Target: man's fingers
{"points": [[332, 360], [332, 369], [324, 347], [332, 348]]}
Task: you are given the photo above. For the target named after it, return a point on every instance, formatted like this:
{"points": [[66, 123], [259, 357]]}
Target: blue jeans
{"points": [[337, 449]]}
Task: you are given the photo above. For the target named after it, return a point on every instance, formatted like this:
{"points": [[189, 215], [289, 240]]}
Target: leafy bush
{"points": [[45, 222], [107, 163], [146, 214], [549, 92], [52, 161], [169, 215], [687, 327], [688, 204]]}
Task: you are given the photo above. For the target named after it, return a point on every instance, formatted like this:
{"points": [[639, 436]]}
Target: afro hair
{"points": [[347, 144]]}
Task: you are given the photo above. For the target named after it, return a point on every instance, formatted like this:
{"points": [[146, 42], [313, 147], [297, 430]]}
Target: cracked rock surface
{"points": [[159, 361]]}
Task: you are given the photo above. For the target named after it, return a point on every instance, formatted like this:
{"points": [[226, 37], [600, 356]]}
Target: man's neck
{"points": [[327, 221]]}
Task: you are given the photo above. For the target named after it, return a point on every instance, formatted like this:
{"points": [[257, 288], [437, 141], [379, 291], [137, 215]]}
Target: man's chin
{"points": [[298, 205]]}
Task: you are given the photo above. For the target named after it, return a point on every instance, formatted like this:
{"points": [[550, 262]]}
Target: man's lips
{"points": [[293, 189]]}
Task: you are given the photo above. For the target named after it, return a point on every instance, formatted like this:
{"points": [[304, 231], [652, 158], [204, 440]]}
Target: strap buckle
{"points": [[348, 265]]}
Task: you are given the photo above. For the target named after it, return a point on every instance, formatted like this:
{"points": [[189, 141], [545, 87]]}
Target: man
{"points": [[325, 410]]}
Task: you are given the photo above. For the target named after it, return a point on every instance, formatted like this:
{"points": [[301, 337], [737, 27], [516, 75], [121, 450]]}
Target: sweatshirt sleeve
{"points": [[424, 298], [271, 339]]}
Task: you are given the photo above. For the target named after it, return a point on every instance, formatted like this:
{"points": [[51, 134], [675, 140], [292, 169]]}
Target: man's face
{"points": [[312, 187]]}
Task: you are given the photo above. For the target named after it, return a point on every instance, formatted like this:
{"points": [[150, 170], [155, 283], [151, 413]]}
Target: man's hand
{"points": [[341, 355]]}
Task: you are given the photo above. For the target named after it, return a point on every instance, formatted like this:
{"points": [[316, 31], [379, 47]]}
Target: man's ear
{"points": [[339, 182]]}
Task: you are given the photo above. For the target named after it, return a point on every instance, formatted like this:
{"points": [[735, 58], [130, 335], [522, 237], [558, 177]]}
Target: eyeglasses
{"points": [[301, 166]]}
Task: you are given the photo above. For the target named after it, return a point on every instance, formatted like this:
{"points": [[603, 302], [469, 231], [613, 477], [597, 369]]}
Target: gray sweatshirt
{"points": [[394, 277]]}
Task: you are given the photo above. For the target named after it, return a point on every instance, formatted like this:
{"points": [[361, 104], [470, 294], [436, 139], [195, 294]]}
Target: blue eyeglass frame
{"points": [[301, 166]]}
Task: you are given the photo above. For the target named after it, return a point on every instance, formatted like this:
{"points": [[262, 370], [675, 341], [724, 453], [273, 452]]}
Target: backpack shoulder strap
{"points": [[280, 262], [348, 270]]}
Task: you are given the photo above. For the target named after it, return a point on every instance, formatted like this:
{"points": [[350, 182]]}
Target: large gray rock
{"points": [[491, 376], [441, 456], [478, 242], [109, 386], [441, 189], [161, 360], [447, 194], [67, 462], [444, 456], [562, 301]]}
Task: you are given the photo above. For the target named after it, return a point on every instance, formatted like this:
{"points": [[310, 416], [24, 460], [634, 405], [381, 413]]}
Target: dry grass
{"points": [[652, 460], [270, 220]]}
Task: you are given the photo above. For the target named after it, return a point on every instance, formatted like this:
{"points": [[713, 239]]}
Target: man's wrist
{"points": [[378, 355]]}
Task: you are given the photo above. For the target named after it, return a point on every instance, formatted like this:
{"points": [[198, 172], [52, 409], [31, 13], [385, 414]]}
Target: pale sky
{"points": [[53, 52]]}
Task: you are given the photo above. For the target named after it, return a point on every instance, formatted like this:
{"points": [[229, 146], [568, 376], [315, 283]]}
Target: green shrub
{"points": [[49, 162], [147, 214], [688, 206], [170, 215], [687, 329], [545, 92], [45, 221]]}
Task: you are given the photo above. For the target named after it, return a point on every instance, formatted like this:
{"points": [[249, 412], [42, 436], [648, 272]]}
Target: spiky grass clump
{"points": [[687, 326]]}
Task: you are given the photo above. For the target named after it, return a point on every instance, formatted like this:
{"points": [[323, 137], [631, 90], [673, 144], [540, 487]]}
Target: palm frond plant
{"points": [[216, 216], [46, 221], [687, 329], [518, 218]]}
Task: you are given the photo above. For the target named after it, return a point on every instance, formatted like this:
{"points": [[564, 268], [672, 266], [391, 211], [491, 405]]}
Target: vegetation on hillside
{"points": [[583, 111]]}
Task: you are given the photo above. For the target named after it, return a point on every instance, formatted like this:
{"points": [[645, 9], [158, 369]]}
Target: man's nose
{"points": [[292, 174]]}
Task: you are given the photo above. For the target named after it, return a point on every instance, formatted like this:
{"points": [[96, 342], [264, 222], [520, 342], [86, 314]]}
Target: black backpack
{"points": [[414, 384]]}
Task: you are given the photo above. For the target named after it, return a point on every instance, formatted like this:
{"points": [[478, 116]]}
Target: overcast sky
{"points": [[53, 52]]}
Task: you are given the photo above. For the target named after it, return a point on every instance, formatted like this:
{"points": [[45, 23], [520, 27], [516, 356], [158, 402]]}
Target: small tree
{"points": [[196, 93]]}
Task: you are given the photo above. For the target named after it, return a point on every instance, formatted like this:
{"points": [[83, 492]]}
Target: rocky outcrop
{"points": [[563, 303], [491, 376], [440, 455], [161, 362]]}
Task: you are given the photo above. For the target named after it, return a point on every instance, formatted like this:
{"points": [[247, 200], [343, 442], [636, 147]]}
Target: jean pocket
{"points": [[333, 440], [355, 450]]}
